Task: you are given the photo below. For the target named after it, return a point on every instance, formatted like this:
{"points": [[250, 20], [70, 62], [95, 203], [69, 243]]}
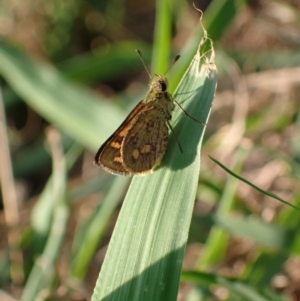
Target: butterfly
{"points": [[140, 142]]}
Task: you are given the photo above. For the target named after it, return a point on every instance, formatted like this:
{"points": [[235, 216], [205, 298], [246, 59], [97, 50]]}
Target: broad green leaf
{"points": [[144, 258], [105, 65], [73, 109], [269, 235]]}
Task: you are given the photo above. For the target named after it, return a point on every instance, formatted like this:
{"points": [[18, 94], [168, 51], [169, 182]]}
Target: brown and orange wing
{"points": [[109, 154], [145, 142]]}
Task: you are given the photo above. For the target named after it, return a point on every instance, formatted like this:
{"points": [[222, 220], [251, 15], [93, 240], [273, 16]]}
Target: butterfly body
{"points": [[140, 142]]}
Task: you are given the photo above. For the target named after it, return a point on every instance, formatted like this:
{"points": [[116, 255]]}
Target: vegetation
{"points": [[70, 75]]}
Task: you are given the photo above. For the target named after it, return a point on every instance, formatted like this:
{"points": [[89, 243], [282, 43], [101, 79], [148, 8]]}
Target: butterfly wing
{"points": [[145, 142], [109, 154]]}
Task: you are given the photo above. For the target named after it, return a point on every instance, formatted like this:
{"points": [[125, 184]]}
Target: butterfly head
{"points": [[159, 83]]}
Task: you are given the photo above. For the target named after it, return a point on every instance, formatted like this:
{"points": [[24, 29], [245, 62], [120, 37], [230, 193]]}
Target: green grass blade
{"points": [[215, 245], [219, 16], [260, 272], [40, 277], [272, 195], [104, 66], [73, 109], [96, 227], [269, 235], [242, 289], [144, 258], [41, 215], [162, 37]]}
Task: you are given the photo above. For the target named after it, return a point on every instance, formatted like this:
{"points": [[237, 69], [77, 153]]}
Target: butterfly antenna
{"points": [[174, 61], [140, 55]]}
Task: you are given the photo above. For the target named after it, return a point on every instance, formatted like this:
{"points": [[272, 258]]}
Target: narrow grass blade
{"points": [[41, 215], [215, 245], [43, 270], [162, 37], [215, 21], [218, 16], [95, 228], [272, 195]]}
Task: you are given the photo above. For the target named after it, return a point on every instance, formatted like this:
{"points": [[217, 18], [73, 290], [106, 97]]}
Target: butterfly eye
{"points": [[163, 86]]}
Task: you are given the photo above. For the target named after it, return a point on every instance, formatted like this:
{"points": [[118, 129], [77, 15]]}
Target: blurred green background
{"points": [[69, 75]]}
